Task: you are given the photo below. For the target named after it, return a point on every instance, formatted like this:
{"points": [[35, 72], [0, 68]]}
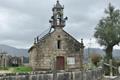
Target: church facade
{"points": [[57, 50]]}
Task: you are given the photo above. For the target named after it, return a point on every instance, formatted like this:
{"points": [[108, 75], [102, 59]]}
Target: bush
{"points": [[3, 68], [95, 58]]}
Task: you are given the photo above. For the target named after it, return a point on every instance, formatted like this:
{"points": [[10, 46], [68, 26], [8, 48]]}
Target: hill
{"points": [[24, 52], [13, 51]]}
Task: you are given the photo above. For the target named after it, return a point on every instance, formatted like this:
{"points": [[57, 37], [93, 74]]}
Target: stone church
{"points": [[57, 50]]}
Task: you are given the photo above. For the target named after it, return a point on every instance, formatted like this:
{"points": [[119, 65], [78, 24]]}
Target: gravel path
{"points": [[1, 72], [111, 78]]}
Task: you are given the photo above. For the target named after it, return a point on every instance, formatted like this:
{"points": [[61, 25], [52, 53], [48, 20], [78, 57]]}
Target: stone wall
{"points": [[43, 54], [8, 60], [85, 75]]}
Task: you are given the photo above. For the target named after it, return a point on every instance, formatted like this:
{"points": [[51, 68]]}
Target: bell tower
{"points": [[58, 20]]}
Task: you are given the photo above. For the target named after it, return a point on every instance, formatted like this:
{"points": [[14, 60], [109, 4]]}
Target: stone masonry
{"points": [[57, 50]]}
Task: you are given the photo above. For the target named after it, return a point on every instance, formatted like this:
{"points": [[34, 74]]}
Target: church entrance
{"points": [[60, 62]]}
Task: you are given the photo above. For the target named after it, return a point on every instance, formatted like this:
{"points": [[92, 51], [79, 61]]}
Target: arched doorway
{"points": [[60, 63]]}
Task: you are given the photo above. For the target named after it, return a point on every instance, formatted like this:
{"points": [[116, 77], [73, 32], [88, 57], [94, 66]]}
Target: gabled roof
{"points": [[48, 34], [40, 40], [72, 37]]}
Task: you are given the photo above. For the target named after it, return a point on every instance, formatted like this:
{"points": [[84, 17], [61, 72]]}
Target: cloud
{"points": [[22, 20]]}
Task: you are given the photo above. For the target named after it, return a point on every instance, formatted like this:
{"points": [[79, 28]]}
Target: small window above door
{"points": [[59, 44]]}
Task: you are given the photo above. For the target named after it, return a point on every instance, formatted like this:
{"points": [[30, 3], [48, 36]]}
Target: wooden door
{"points": [[60, 63]]}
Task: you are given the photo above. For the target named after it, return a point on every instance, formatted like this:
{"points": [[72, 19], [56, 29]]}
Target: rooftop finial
{"points": [[57, 1]]}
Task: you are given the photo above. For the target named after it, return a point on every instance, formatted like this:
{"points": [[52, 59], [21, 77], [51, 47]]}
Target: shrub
{"points": [[95, 58]]}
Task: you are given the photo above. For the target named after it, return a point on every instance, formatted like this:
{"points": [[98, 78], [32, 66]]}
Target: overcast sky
{"points": [[22, 20]]}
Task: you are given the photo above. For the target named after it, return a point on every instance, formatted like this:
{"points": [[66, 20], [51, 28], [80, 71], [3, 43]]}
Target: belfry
{"points": [[58, 20]]}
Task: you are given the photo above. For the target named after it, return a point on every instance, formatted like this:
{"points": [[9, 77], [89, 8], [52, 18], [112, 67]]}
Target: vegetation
{"points": [[108, 31], [95, 58], [116, 64], [3, 68], [21, 69]]}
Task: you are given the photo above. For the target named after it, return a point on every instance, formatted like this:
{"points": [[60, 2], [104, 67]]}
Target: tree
{"points": [[108, 30], [95, 58]]}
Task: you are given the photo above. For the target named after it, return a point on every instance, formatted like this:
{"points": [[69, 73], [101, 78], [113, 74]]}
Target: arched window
{"points": [[58, 21]]}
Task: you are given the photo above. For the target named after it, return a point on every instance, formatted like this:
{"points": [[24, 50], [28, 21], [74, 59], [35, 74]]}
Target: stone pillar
{"points": [[111, 70], [22, 60], [81, 55], [54, 69]]}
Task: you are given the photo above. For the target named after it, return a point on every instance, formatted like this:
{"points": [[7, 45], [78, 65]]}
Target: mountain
{"points": [[13, 51], [88, 52], [116, 52], [24, 52]]}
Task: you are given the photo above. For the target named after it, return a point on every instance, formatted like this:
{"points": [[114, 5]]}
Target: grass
{"points": [[21, 69], [3, 68]]}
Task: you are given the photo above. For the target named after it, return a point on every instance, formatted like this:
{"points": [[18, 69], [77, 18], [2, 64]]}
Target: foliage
{"points": [[22, 69], [95, 58], [108, 30], [116, 64], [3, 68]]}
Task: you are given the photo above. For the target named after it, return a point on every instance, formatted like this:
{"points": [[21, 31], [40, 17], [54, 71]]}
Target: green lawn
{"points": [[21, 69]]}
